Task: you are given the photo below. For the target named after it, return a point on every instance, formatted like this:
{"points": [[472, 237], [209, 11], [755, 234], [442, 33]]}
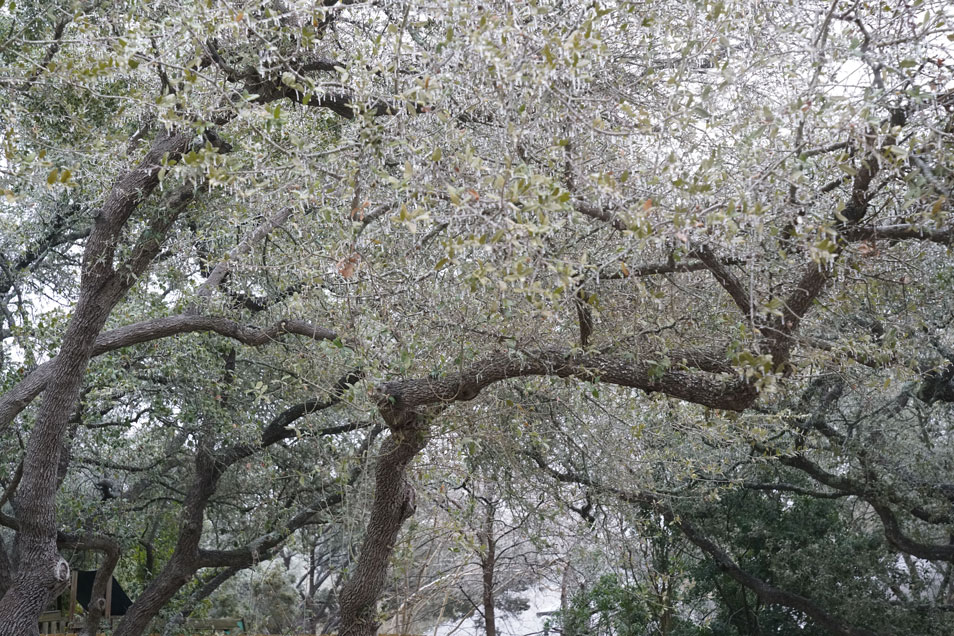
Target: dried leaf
{"points": [[348, 265]]}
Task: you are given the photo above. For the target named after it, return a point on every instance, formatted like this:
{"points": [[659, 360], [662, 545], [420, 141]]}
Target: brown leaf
{"points": [[357, 213], [347, 265], [868, 248]]}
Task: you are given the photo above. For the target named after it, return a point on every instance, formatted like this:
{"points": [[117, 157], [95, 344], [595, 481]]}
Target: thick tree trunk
{"points": [[175, 624], [187, 559], [6, 568], [104, 577], [184, 562], [487, 564], [40, 571], [177, 573], [393, 504]]}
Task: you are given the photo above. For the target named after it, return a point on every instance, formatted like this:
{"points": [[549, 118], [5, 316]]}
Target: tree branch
{"points": [[17, 398], [255, 550], [278, 429], [726, 278], [601, 214], [900, 233], [713, 390], [219, 272]]}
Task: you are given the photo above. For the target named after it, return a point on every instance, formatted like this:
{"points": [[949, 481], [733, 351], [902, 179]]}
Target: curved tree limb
{"points": [[219, 272], [726, 279], [101, 287], [17, 398], [903, 232], [715, 390]]}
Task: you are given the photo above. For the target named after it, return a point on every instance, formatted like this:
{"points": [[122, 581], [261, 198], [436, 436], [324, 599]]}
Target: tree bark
{"points": [[184, 562], [6, 568], [402, 402], [393, 504], [40, 571], [176, 622], [14, 400], [187, 558], [487, 564], [104, 577]]}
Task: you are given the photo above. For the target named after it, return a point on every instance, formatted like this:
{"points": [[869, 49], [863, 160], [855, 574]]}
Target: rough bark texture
{"points": [[403, 401], [187, 557], [174, 626], [487, 564], [184, 562], [5, 568], [97, 606], [40, 571], [393, 504], [714, 390]]}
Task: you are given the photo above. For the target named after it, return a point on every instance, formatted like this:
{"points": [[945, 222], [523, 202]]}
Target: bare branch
{"points": [[51, 52], [601, 214], [726, 278], [654, 269], [824, 150], [900, 233], [219, 272], [713, 390], [280, 426]]}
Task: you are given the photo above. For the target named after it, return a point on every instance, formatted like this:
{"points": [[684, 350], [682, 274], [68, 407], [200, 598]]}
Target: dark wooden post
{"points": [[109, 602], [74, 581]]}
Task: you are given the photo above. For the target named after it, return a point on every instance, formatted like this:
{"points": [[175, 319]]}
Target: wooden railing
{"points": [[54, 623], [58, 624]]}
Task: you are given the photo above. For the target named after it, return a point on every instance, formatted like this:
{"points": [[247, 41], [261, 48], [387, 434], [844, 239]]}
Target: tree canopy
{"points": [[673, 276]]}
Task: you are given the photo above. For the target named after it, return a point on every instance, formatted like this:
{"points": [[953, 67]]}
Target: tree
{"points": [[500, 534], [398, 213]]}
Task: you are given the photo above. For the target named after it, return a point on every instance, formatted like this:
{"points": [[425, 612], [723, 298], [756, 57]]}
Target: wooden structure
{"points": [[54, 622], [217, 625], [64, 618]]}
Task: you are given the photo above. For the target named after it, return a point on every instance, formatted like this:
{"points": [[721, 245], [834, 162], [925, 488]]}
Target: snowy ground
{"points": [[542, 600]]}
